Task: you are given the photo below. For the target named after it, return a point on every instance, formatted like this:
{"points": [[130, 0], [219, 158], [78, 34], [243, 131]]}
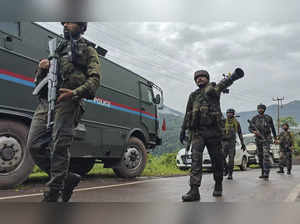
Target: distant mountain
{"points": [[174, 120], [169, 110], [170, 137], [291, 109]]}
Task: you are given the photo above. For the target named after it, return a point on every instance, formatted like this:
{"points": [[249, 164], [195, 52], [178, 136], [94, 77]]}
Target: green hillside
{"points": [[170, 137]]}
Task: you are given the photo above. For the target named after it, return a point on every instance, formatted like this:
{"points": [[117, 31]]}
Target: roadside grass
{"points": [[164, 165]]}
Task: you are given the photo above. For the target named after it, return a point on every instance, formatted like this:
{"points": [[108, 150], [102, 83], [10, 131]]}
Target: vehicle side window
{"points": [[12, 28], [147, 94]]}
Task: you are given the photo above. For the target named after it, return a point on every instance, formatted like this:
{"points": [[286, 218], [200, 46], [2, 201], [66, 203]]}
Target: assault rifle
{"points": [[256, 129], [52, 80], [188, 140]]}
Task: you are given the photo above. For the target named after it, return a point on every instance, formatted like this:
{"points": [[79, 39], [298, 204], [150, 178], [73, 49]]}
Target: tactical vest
{"points": [[73, 68], [263, 125], [205, 110], [231, 128], [285, 140]]}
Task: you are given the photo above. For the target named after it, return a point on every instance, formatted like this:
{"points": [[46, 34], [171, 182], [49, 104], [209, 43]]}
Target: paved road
{"points": [[246, 187]]}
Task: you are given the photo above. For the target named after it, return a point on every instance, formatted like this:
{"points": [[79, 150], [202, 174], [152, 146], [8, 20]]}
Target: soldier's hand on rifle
{"points": [[44, 64], [182, 136], [65, 94]]}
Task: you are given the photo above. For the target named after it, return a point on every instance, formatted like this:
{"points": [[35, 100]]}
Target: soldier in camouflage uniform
{"points": [[79, 78], [203, 119], [232, 127], [286, 144], [262, 125]]}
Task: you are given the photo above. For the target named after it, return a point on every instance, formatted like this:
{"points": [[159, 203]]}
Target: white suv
{"points": [[251, 149], [184, 161]]}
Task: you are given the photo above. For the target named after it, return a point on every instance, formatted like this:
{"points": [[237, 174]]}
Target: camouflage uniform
{"points": [[265, 126], [232, 127], [50, 151], [204, 119], [286, 141]]}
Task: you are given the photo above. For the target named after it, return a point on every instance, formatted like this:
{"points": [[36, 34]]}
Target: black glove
{"points": [[182, 136], [243, 147], [237, 74]]}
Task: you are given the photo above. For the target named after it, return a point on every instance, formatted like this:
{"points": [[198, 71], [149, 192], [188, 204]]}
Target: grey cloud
{"points": [[169, 53]]}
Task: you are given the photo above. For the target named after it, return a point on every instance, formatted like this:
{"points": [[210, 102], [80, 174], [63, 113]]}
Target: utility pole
{"points": [[279, 103]]}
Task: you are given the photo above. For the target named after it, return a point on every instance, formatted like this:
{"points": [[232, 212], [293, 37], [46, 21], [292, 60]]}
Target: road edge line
{"points": [[82, 189]]}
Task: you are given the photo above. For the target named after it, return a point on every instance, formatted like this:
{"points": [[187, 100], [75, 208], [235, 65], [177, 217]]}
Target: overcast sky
{"points": [[169, 53]]}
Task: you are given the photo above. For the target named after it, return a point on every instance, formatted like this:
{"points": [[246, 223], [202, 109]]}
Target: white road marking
{"points": [[83, 189], [293, 194]]}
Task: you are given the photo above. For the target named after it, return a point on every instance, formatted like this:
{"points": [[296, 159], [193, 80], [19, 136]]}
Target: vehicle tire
{"points": [[243, 165], [15, 160], [133, 161], [81, 166]]}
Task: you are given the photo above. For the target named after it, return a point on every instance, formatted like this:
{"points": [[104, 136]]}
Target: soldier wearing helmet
{"points": [[78, 77], [262, 126], [232, 127], [286, 145], [203, 119]]}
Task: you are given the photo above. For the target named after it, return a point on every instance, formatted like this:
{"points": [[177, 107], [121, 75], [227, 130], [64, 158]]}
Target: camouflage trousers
{"points": [[286, 159], [214, 149], [229, 150], [263, 153], [50, 150]]}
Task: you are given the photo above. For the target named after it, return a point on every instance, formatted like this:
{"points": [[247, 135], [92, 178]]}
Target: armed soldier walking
{"points": [[203, 119], [286, 144], [262, 125], [78, 77], [232, 127]]}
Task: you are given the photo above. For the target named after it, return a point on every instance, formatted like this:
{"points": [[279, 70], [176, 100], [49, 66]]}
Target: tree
{"points": [[290, 120]]}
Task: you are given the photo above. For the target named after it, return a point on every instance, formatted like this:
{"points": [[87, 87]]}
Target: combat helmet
{"points": [[285, 123], [201, 73], [230, 110], [83, 26], [261, 106]]}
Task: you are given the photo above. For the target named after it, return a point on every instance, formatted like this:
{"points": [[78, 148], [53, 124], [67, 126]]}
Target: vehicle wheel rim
{"points": [[11, 154], [132, 158]]}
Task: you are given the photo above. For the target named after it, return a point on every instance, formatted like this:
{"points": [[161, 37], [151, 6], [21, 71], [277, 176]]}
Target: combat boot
{"points": [[71, 182], [262, 174], [266, 176], [51, 196], [192, 194], [288, 172], [280, 170], [218, 189], [225, 173]]}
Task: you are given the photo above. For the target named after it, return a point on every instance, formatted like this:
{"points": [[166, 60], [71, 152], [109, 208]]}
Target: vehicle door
{"points": [[147, 110]]}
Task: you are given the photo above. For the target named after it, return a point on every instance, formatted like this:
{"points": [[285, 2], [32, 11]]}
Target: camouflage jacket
{"points": [[286, 140], [233, 127], [81, 75], [264, 124], [203, 110]]}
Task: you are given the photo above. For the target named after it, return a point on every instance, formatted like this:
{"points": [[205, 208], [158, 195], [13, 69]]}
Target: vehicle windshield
{"points": [[249, 139]]}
